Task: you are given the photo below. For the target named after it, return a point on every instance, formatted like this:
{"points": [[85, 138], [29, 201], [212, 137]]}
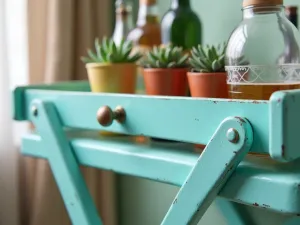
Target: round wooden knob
{"points": [[106, 116]]}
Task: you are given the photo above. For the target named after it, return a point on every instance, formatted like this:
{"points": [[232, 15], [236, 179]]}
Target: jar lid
{"points": [[247, 3], [148, 2]]}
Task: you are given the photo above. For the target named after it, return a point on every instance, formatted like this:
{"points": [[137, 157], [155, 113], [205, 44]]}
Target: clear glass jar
{"points": [[263, 53]]}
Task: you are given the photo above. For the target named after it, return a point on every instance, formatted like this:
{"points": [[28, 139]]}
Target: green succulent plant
{"points": [[165, 57], [208, 59], [108, 52]]}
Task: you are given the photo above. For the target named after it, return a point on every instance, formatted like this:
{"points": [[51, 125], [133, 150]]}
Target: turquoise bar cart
{"points": [[251, 155]]}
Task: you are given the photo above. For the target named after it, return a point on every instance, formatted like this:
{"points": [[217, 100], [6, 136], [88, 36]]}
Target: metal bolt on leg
{"points": [[232, 135], [34, 110]]}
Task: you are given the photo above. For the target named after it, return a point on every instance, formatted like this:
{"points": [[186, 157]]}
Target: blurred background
{"points": [[41, 41]]}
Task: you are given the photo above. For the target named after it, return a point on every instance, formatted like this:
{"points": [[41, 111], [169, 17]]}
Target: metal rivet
{"points": [[232, 135], [34, 111]]}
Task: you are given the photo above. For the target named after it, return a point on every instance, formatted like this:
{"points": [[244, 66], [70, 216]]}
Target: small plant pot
{"points": [[208, 85], [167, 82], [112, 78]]}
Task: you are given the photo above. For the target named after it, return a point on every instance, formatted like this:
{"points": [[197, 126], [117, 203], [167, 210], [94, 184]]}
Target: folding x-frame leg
{"points": [[64, 165], [226, 149]]}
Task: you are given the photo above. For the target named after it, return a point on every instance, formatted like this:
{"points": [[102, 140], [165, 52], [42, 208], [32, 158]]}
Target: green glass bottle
{"points": [[181, 26]]}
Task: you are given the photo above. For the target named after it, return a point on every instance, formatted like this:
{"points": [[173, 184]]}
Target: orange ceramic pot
{"points": [[208, 85], [169, 82]]}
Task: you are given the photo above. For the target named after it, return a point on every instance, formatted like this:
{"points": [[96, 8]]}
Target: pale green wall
{"points": [[145, 202]]}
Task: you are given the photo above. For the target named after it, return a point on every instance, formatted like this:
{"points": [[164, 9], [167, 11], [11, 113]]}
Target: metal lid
{"points": [[247, 3]]}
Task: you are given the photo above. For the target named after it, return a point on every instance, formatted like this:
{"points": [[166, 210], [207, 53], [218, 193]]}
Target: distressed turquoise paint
{"points": [[19, 100], [219, 18], [64, 166], [284, 125], [256, 181], [186, 113], [149, 115], [292, 221], [201, 188], [234, 213]]}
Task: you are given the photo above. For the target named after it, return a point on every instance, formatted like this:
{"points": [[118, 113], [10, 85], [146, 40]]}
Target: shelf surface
{"points": [[275, 123], [258, 181]]}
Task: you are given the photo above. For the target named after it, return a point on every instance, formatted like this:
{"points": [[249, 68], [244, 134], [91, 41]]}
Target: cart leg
{"points": [[233, 213], [226, 149], [64, 166]]}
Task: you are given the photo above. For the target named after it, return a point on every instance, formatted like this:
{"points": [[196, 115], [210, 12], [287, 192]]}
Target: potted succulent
{"points": [[164, 70], [208, 78], [112, 68]]}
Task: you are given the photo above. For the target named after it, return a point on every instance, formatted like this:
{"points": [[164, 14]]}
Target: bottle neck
{"points": [[124, 18], [180, 4], [253, 11], [123, 24], [148, 13]]}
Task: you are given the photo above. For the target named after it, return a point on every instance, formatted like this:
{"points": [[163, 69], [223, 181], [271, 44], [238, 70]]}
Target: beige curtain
{"points": [[60, 31]]}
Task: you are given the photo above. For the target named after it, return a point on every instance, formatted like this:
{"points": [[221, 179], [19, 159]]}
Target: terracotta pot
{"points": [[169, 82], [208, 85], [112, 78]]}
